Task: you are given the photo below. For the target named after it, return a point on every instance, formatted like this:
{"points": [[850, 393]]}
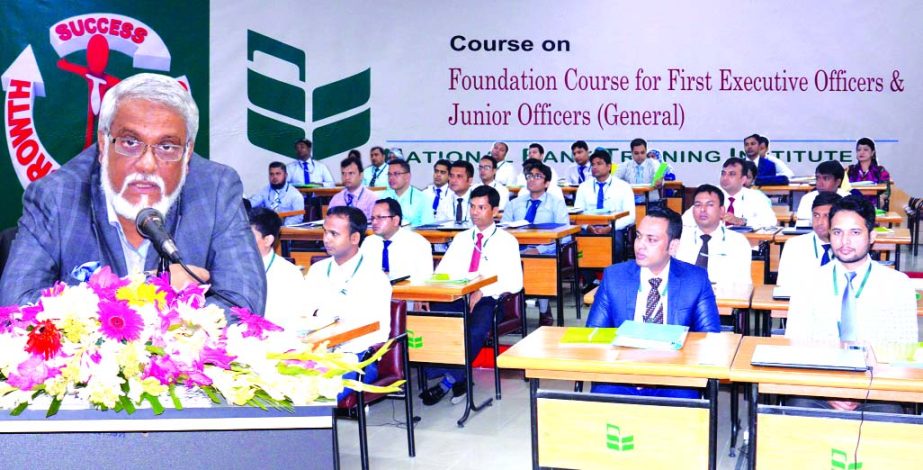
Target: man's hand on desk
{"points": [[473, 299], [599, 229], [422, 306], [730, 219], [844, 405], [179, 278]]}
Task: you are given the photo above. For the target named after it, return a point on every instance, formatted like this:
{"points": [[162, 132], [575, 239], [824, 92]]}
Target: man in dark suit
{"points": [[655, 288]]}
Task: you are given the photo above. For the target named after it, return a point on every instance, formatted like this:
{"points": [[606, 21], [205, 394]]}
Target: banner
{"points": [[59, 58]]}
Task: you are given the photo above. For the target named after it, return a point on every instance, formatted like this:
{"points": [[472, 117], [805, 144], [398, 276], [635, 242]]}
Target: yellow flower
{"points": [[140, 294], [241, 395], [73, 328], [56, 387], [128, 361], [71, 371], [152, 386]]}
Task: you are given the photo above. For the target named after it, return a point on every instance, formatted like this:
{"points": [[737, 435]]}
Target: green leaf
{"points": [[53, 409], [176, 403], [156, 407], [154, 350], [19, 409], [127, 405], [211, 394]]}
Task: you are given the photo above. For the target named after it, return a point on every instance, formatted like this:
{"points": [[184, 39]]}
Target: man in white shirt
{"points": [[484, 250], [439, 190], [767, 166], [487, 170], [305, 170], [853, 298], [743, 206], [537, 153], [802, 255], [829, 176], [377, 173], [580, 170], [724, 253], [284, 280], [506, 171], [640, 170], [348, 287], [605, 193], [399, 251], [279, 196], [455, 206]]}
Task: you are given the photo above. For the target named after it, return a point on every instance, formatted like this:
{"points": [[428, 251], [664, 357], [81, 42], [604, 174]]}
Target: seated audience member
{"points": [[867, 168], [455, 206], [668, 176], [604, 193], [279, 195], [756, 148], [802, 255], [305, 170], [416, 206], [749, 173], [487, 170], [725, 254], [399, 251], [580, 170], [655, 288], [537, 206], [348, 288], [376, 174], [353, 193], [485, 250], [829, 175], [537, 153], [354, 153], [439, 190], [284, 280], [743, 206], [853, 298], [640, 170], [506, 171]]}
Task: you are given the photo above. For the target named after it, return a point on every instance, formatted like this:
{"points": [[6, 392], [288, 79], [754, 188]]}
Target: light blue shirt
{"points": [[282, 200], [416, 206], [551, 211], [320, 174], [380, 171]]}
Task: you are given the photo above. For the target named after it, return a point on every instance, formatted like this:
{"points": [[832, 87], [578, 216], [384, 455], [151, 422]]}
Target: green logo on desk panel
{"points": [[840, 460], [277, 114], [617, 442], [414, 341]]}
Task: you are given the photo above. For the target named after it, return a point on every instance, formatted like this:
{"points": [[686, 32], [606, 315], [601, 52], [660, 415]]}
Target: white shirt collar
{"points": [[647, 275]]}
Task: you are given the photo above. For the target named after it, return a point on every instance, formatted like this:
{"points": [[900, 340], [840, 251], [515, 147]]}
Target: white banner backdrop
{"points": [[692, 79]]}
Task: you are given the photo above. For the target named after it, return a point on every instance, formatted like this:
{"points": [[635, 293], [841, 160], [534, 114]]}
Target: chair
{"points": [[393, 366], [569, 272], [509, 317]]}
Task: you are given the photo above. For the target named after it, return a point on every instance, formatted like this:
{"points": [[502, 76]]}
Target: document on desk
{"points": [[643, 335], [781, 293], [513, 224], [313, 223], [809, 357], [586, 336], [442, 278]]}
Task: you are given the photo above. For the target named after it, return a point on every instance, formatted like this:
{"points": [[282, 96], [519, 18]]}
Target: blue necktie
{"points": [[436, 201], [639, 180], [533, 208], [385, 265], [848, 311], [826, 258], [600, 196], [582, 174], [349, 199], [307, 173], [374, 175]]}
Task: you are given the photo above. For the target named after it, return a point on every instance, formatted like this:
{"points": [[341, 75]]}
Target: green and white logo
{"points": [[414, 341], [839, 460], [277, 80], [616, 441]]}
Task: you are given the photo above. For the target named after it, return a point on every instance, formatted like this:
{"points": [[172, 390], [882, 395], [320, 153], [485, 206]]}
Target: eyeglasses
{"points": [[535, 176], [131, 147], [381, 217], [485, 167], [397, 173]]}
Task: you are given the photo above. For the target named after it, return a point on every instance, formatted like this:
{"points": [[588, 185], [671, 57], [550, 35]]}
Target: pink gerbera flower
{"points": [[119, 322]]}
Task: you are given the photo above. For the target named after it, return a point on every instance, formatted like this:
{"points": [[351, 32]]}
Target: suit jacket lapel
{"points": [[632, 284], [673, 291]]}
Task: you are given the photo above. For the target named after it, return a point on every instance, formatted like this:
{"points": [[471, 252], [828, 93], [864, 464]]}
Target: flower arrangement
{"points": [[122, 343]]}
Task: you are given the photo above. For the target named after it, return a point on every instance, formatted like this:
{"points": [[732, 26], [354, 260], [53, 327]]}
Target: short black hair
{"points": [[354, 153], [379, 148], [266, 221], [580, 144], [637, 143], [493, 197], [443, 162], [674, 221], [394, 207], [400, 162], [735, 161], [351, 161], [831, 168], [469, 168], [825, 198], [304, 141], [750, 168], [506, 148], [492, 160], [710, 189], [763, 140], [536, 145], [357, 221], [545, 169], [604, 155], [857, 204], [278, 165], [753, 136]]}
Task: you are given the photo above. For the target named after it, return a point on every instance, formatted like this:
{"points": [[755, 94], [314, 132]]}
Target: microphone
{"points": [[150, 225]]}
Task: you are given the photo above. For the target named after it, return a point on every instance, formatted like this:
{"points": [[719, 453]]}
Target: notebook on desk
{"points": [[807, 357], [781, 293]]}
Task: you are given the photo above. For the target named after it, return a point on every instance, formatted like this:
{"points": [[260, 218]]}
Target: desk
{"points": [[784, 215], [441, 338], [585, 430], [592, 250], [802, 438], [339, 333], [761, 238]]}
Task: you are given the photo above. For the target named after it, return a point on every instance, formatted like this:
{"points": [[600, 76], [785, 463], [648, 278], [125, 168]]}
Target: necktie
{"points": [[436, 201], [848, 311], [375, 172], [307, 173], [276, 201], [533, 208], [349, 199], [458, 210], [600, 195], [476, 255], [385, 264], [702, 260], [826, 258], [731, 205], [653, 300], [639, 180], [582, 177]]}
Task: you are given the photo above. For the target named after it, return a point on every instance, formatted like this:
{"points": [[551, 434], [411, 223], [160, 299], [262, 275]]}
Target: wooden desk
{"points": [[597, 251], [339, 333], [442, 337], [568, 427], [784, 215], [332, 191], [761, 238], [803, 438]]}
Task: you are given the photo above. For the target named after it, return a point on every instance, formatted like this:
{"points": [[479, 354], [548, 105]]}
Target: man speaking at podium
{"points": [[83, 216]]}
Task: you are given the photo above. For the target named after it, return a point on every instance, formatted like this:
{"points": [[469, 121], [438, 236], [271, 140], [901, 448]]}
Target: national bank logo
{"points": [[277, 114], [616, 441]]}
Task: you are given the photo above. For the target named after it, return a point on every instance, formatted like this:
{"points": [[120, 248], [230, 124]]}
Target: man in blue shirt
{"points": [[305, 170], [377, 173], [416, 205], [279, 196]]}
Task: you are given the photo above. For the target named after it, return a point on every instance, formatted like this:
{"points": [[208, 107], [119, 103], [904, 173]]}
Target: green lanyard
{"points": [[351, 276], [484, 241], [272, 260], [836, 289]]}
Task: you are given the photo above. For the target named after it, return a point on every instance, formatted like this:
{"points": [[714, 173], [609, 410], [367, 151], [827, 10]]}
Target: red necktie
{"points": [[731, 206], [476, 255]]}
